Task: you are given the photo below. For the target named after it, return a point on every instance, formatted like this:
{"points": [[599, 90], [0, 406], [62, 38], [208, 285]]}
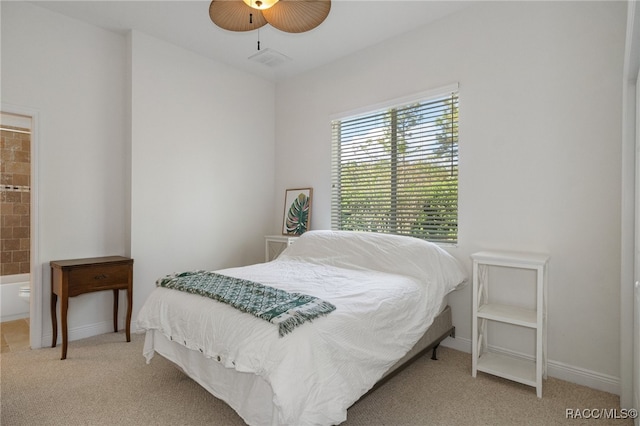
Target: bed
{"points": [[389, 294]]}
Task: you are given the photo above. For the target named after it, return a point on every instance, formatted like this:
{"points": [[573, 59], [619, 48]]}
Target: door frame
{"points": [[630, 224], [35, 273]]}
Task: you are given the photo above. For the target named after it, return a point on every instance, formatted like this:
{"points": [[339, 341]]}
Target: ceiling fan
{"points": [[291, 16]]}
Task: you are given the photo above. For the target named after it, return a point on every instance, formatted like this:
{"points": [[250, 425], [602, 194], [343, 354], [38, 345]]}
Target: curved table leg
{"points": [[64, 305], [54, 320], [115, 310], [129, 309]]}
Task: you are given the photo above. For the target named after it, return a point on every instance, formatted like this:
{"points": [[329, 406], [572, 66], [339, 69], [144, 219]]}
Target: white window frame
{"points": [[421, 222]]}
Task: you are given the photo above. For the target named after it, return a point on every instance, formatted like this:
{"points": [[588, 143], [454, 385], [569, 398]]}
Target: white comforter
{"points": [[387, 291]]}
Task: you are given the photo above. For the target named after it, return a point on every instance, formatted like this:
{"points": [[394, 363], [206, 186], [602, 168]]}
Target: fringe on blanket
{"points": [[291, 310], [296, 317]]}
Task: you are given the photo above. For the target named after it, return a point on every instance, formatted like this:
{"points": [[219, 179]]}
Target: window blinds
{"points": [[396, 170]]}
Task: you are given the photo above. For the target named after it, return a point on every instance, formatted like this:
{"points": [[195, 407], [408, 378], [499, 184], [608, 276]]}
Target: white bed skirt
{"points": [[249, 395]]}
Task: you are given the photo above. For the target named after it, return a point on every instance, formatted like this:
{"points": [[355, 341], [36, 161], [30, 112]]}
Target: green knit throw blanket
{"points": [[279, 307]]}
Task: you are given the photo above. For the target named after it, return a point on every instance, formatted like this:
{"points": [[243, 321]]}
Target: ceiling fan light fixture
{"points": [[260, 4], [291, 16]]}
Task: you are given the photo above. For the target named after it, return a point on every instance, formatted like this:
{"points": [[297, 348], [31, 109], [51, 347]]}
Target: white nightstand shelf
{"points": [[516, 368], [512, 368], [509, 314], [275, 244]]}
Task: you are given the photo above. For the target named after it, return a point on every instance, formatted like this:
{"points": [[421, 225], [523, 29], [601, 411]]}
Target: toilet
{"points": [[25, 292]]}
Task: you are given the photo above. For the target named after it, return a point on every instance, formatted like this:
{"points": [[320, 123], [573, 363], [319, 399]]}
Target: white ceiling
{"points": [[351, 26]]}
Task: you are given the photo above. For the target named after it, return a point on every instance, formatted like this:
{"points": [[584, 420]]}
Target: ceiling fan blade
{"points": [[235, 15], [297, 16]]}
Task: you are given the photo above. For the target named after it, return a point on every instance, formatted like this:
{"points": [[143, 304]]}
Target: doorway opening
{"points": [[20, 278]]}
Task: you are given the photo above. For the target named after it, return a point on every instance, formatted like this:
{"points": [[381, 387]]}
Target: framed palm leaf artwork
{"points": [[297, 211]]}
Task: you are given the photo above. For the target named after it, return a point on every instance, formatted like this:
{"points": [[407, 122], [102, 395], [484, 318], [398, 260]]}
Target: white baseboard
{"points": [[584, 377], [82, 332], [6, 318], [559, 370], [458, 343]]}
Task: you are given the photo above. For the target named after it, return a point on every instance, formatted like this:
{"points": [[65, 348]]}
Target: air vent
{"points": [[270, 58]]}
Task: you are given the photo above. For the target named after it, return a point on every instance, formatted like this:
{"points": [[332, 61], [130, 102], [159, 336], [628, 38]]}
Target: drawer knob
{"points": [[100, 277]]}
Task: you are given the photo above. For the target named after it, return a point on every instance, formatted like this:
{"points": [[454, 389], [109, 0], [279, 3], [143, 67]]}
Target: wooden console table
{"points": [[78, 276]]}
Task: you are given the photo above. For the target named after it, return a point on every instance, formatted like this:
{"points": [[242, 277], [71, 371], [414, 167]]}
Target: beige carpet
{"points": [[105, 381]]}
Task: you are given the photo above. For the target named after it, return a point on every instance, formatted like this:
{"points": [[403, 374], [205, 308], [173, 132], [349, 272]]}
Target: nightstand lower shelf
{"points": [[506, 366]]}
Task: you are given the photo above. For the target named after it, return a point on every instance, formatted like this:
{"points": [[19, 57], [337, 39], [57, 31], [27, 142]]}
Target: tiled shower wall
{"points": [[15, 194]]}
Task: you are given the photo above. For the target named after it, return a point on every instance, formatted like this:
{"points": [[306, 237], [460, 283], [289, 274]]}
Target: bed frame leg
{"points": [[452, 333]]}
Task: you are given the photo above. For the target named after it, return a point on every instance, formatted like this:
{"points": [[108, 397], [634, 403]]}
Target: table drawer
{"points": [[97, 278]]}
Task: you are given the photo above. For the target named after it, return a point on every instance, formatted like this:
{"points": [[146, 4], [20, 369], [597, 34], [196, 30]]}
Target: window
{"points": [[395, 170]]}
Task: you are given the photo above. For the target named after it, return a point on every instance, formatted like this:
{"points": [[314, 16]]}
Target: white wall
{"points": [[540, 144], [146, 150], [202, 163], [72, 74]]}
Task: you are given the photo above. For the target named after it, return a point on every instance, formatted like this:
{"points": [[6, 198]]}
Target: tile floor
{"points": [[14, 335]]}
